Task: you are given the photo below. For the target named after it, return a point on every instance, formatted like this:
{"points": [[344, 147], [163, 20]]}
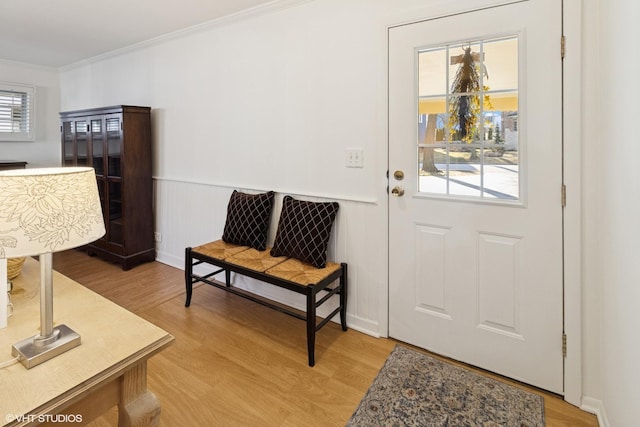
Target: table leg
{"points": [[138, 406]]}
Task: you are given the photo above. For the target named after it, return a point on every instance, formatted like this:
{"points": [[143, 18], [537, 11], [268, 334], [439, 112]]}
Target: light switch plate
{"points": [[354, 158]]}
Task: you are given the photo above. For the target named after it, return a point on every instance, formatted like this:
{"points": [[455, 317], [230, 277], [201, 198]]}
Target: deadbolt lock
{"points": [[399, 175]]}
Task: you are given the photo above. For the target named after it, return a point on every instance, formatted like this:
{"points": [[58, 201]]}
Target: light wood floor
{"points": [[237, 363]]}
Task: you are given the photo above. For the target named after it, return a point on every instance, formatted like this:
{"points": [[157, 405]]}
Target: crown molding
{"points": [[18, 64], [255, 11]]}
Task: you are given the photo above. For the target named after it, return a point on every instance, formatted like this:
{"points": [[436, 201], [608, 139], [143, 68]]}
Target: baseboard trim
{"points": [[171, 260], [364, 326], [596, 407]]}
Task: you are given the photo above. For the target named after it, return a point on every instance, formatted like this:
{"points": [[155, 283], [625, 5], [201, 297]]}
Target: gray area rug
{"points": [[413, 389]]}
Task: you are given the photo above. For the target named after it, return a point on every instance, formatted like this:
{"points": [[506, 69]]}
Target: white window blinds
{"points": [[17, 119]]}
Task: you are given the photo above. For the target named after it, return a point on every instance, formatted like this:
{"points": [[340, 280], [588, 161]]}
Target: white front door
{"points": [[475, 165]]}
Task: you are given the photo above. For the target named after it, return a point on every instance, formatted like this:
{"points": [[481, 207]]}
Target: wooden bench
{"points": [[284, 272]]}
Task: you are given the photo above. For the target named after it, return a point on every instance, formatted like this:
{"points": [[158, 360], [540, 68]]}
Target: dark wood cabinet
{"points": [[11, 164], [116, 142]]}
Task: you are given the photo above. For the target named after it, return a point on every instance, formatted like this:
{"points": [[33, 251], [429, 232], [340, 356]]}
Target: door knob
{"points": [[397, 191], [399, 175]]}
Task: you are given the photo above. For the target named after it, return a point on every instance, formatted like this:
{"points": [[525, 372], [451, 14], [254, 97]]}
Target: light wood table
{"points": [[109, 368]]}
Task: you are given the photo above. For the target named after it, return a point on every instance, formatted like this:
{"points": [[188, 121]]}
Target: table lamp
{"points": [[44, 211]]}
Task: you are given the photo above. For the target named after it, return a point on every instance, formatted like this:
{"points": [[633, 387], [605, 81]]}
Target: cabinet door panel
{"points": [[114, 145], [97, 144], [67, 143], [82, 143], [115, 212]]}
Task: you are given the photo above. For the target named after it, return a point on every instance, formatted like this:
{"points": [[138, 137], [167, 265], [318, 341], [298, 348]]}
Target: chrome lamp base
{"points": [[36, 350]]}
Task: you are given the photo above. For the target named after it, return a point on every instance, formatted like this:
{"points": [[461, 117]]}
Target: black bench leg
{"points": [[188, 269], [227, 278], [311, 327], [343, 297]]}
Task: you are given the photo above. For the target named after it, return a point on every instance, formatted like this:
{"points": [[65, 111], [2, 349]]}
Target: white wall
{"points": [[591, 184], [620, 210], [273, 100], [267, 102], [45, 150]]}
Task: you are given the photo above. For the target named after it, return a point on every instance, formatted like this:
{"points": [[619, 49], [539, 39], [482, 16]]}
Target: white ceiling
{"points": [[56, 33]]}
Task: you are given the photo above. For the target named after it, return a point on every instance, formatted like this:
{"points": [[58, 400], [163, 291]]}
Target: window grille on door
{"points": [[467, 125]]}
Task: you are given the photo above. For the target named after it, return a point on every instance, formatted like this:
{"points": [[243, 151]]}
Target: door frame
{"points": [[572, 169]]}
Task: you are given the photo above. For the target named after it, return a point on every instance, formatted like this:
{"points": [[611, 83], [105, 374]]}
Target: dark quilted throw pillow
{"points": [[304, 230], [248, 217]]}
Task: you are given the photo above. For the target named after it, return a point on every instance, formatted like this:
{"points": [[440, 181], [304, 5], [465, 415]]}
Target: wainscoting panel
{"points": [[190, 214]]}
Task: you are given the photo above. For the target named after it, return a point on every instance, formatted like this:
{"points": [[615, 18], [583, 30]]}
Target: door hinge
{"points": [[562, 47], [564, 345], [563, 196]]}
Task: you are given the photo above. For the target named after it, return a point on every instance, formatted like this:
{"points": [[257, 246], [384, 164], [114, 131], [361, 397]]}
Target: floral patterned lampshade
{"points": [[44, 211], [48, 210]]}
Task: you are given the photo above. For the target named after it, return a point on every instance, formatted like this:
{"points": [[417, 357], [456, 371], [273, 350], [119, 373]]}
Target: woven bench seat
{"points": [[220, 249], [281, 271], [254, 259], [301, 273]]}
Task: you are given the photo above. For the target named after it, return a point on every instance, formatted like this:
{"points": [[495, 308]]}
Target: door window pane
{"points": [[468, 119], [465, 171]]}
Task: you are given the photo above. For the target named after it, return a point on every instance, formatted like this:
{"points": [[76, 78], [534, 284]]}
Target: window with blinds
{"points": [[17, 121]]}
